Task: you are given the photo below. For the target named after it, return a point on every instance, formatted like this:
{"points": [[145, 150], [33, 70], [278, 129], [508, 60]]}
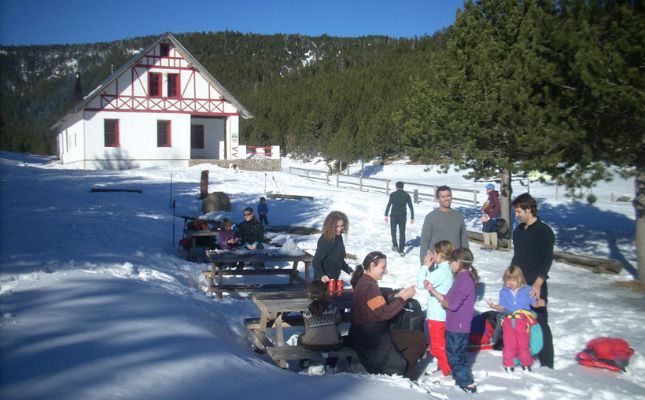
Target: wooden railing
{"points": [[418, 190]]}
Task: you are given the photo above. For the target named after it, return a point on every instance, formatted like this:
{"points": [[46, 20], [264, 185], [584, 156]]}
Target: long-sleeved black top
{"points": [[533, 246], [398, 200], [330, 258]]}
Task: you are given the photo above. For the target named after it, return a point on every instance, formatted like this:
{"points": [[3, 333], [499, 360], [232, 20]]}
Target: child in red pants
{"points": [[436, 271]]}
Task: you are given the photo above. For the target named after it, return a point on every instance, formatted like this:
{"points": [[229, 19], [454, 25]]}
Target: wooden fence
{"points": [[419, 190]]}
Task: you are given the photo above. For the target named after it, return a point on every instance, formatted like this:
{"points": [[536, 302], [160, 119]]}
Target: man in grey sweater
{"points": [[443, 223]]}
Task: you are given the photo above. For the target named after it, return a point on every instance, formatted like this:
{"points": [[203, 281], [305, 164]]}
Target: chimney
{"points": [[78, 89]]}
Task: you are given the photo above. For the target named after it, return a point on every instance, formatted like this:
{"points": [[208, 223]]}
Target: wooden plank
{"points": [[294, 230], [288, 196], [256, 272], [229, 257], [479, 238], [258, 288], [598, 265], [103, 190], [284, 353]]}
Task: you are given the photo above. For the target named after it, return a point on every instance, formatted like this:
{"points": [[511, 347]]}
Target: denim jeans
{"points": [[456, 350]]}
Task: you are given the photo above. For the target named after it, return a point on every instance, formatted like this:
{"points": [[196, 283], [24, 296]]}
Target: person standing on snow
{"points": [[399, 199], [443, 223], [533, 242], [491, 211]]}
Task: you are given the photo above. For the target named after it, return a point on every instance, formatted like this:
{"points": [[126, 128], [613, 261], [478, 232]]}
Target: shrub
{"points": [[591, 198]]}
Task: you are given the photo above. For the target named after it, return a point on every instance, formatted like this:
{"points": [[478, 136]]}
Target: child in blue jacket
{"points": [[436, 271]]}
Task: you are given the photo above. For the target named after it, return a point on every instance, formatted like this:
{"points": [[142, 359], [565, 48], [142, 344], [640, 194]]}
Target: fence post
{"points": [[387, 187], [327, 178], [416, 196], [360, 183], [475, 199], [337, 185]]}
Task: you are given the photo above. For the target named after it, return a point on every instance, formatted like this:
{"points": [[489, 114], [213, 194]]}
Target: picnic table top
{"points": [[284, 301], [226, 256], [190, 232]]}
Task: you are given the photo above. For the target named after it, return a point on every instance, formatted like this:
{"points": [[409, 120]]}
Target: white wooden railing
{"points": [[418, 190]]}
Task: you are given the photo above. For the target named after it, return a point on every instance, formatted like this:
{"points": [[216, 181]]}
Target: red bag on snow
{"points": [[606, 352]]}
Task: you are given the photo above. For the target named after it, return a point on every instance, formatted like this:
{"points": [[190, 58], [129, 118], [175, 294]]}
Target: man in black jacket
{"points": [[533, 242], [399, 199]]}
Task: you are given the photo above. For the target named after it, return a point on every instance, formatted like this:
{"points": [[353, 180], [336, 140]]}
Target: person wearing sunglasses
{"points": [[250, 231]]}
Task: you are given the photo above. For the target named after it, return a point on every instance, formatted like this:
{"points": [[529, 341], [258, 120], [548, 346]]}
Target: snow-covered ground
{"points": [[96, 305]]}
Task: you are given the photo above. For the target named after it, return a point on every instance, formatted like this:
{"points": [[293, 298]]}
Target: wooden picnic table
{"points": [[274, 305], [226, 263]]}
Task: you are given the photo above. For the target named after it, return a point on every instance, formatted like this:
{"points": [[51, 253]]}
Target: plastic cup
{"points": [[331, 285]]}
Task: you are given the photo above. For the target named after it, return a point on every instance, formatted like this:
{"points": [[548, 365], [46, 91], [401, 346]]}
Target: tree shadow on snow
{"points": [[584, 229], [369, 170]]}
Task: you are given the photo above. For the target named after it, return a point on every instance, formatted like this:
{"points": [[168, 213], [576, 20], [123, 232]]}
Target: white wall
{"points": [[137, 137], [71, 139], [214, 131]]}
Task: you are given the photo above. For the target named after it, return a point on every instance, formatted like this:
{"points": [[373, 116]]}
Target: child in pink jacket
{"points": [[515, 300]]}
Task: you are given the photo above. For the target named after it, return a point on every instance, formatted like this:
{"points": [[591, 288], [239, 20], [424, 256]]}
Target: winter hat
{"points": [[490, 186]]}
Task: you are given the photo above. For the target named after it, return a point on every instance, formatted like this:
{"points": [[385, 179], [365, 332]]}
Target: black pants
{"points": [[398, 220]]}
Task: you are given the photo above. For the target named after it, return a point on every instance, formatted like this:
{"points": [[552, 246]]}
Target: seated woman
{"points": [[381, 350], [250, 231]]}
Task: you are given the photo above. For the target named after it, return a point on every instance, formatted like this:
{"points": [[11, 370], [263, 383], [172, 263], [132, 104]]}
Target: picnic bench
{"points": [[198, 240], [276, 312], [234, 263]]}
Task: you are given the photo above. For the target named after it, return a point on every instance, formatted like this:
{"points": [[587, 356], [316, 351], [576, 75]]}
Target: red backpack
{"points": [[606, 352]]}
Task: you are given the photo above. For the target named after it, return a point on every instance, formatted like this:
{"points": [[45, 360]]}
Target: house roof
{"points": [[125, 67]]}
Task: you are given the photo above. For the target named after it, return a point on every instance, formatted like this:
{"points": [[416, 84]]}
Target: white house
{"points": [[161, 108]]}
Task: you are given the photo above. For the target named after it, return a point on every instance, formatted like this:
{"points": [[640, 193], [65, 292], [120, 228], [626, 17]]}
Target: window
{"points": [[154, 84], [111, 132], [163, 133], [173, 85], [197, 136], [164, 49]]}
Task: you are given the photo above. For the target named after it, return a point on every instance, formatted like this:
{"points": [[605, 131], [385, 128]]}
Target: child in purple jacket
{"points": [[226, 237], [459, 303]]}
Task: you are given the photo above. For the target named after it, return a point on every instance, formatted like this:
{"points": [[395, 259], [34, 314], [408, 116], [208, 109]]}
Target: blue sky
{"points": [[25, 22]]}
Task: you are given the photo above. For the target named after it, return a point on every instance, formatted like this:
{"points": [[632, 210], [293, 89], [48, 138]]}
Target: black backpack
{"points": [[411, 317], [502, 229]]}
